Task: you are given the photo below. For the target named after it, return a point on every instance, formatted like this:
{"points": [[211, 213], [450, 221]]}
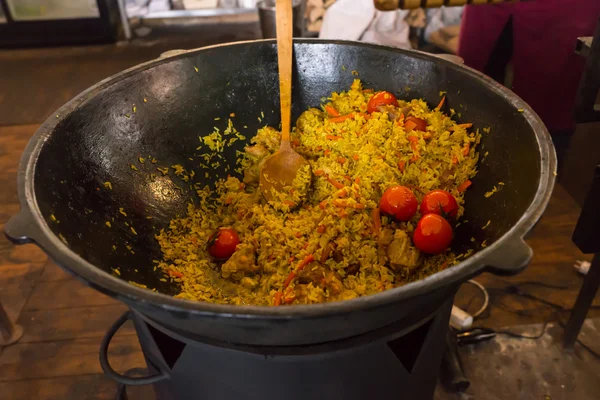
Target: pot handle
{"points": [[114, 375], [510, 259], [21, 228]]}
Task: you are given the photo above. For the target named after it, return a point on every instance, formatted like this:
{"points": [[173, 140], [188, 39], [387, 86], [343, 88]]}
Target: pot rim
{"points": [[40, 233]]}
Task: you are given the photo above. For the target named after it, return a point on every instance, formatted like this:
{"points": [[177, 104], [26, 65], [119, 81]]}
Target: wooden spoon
{"points": [[279, 169]]}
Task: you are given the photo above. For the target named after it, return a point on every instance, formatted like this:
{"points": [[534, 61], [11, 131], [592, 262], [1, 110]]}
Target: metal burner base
{"points": [[397, 365]]}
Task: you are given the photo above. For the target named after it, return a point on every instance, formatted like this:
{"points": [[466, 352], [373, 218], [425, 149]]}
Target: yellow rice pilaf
{"points": [[353, 160]]}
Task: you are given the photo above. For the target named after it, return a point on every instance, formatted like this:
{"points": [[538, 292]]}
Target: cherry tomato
{"points": [[433, 234], [439, 202], [400, 202], [222, 243], [381, 99], [421, 124]]}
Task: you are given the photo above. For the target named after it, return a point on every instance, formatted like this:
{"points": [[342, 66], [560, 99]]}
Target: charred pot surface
{"points": [[159, 109]]}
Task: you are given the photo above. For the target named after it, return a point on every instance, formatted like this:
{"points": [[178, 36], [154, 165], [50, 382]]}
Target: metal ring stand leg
{"points": [[9, 333], [114, 375]]}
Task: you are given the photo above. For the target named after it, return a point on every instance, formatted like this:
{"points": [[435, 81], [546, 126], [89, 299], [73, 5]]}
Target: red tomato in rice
{"points": [[381, 99], [399, 202], [222, 243], [439, 202], [433, 234]]}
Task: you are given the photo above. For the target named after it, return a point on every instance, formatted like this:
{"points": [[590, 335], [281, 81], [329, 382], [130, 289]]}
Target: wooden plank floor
{"points": [[64, 321]]}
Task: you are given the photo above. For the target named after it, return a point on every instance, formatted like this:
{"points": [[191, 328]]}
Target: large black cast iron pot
{"points": [[158, 110]]}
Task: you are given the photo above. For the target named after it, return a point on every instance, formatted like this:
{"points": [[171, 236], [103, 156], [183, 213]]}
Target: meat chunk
{"points": [[268, 137], [252, 170], [258, 151], [392, 112], [401, 253], [352, 269], [241, 262], [386, 236], [313, 272], [320, 276], [338, 256], [333, 283]]}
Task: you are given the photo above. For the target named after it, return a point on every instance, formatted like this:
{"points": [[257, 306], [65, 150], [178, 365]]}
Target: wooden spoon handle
{"points": [[284, 17]]}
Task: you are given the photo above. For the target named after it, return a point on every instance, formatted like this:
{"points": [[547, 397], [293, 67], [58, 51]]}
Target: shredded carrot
{"points": [[427, 135], [321, 229], [335, 183], [454, 160], [342, 213], [290, 300], [415, 157], [439, 106], [376, 214], [291, 260], [401, 165], [466, 150], [332, 137], [413, 139], [323, 204], [278, 298], [464, 186], [410, 125], [289, 203], [298, 235], [307, 260], [289, 279], [355, 157], [341, 160], [357, 180], [228, 200], [343, 193], [342, 118], [348, 177], [319, 172], [465, 125], [332, 111], [327, 152], [175, 274]]}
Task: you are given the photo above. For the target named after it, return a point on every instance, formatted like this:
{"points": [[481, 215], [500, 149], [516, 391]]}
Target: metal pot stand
{"points": [[398, 364]]}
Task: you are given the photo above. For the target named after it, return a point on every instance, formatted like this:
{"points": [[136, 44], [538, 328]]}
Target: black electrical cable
{"points": [[519, 336], [534, 283], [513, 289]]}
